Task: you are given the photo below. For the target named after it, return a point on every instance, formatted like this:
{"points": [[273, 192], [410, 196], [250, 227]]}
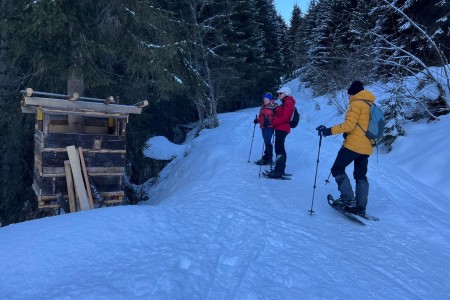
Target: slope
{"points": [[214, 229]]}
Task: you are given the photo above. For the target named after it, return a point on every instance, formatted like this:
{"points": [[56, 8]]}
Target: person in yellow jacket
{"points": [[356, 148]]}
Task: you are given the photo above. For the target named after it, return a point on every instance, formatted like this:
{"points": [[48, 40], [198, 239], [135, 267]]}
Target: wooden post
{"points": [[78, 178], [70, 191], [86, 178], [75, 122]]}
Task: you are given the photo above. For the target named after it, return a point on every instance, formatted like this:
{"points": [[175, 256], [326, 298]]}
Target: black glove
{"points": [[255, 121], [266, 122], [324, 131]]}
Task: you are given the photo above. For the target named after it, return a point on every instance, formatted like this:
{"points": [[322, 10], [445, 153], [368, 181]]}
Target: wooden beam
{"points": [[61, 111], [28, 109], [86, 178], [142, 104], [75, 96], [70, 191], [29, 92], [78, 178], [82, 105], [109, 100]]}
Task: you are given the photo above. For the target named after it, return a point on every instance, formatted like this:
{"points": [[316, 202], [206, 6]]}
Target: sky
{"points": [[213, 228], [285, 7]]}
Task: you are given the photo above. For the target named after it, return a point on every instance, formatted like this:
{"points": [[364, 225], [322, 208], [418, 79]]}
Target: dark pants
{"points": [[280, 164], [267, 134], [346, 157]]}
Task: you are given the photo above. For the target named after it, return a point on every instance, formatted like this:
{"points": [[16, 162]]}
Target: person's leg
{"points": [[362, 184], [268, 148], [268, 142], [343, 159], [280, 164]]}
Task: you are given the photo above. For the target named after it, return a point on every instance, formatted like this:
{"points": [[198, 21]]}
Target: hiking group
{"points": [[357, 146], [276, 119]]}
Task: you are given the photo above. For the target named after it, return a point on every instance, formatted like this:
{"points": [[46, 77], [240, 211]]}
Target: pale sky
{"points": [[285, 7]]}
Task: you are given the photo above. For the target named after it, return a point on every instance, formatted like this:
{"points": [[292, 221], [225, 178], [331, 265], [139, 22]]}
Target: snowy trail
{"points": [[214, 229], [288, 220]]}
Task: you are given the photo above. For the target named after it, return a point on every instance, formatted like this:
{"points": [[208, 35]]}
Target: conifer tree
{"points": [[294, 35]]}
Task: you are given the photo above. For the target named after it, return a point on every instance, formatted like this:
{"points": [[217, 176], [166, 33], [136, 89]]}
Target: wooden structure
{"points": [[97, 128]]}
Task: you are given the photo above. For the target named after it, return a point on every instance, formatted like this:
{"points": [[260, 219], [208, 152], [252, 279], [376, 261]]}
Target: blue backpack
{"points": [[376, 122]]}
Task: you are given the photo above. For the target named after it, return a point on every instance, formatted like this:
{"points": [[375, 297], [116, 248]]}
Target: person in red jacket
{"points": [[283, 115], [265, 119]]}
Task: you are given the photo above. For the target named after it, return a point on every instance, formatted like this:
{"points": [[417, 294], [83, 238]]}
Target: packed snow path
{"points": [[214, 229]]}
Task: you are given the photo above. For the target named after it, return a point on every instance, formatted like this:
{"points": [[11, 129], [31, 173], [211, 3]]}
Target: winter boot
{"points": [[345, 187], [274, 174], [361, 193], [268, 152], [263, 162], [280, 164]]}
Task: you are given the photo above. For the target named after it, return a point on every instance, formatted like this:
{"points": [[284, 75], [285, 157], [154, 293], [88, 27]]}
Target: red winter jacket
{"points": [[267, 111], [284, 114]]}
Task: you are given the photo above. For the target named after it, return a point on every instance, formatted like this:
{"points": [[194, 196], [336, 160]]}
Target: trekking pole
{"points": [[273, 142], [251, 145], [315, 178], [262, 154], [327, 181]]}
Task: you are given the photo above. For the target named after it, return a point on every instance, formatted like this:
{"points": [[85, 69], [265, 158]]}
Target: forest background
{"points": [[193, 59]]}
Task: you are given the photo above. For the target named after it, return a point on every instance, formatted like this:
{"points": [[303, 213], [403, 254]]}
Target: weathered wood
{"points": [[70, 190], [86, 177], [45, 124], [111, 195], [60, 171], [75, 85], [142, 104], [86, 141], [109, 100], [28, 109], [97, 144], [29, 92], [78, 178], [93, 159], [81, 105], [84, 113], [75, 96]]}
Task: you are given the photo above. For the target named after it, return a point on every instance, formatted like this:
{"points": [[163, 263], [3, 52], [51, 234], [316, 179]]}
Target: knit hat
{"points": [[285, 90], [355, 88], [268, 95]]}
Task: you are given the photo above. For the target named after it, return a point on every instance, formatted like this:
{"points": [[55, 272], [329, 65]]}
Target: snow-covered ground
{"points": [[214, 229]]}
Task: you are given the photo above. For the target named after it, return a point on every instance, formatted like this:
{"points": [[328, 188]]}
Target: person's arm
{"points": [[351, 119], [284, 114]]}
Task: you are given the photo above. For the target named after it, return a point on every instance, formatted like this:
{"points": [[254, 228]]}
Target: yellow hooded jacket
{"points": [[357, 113]]}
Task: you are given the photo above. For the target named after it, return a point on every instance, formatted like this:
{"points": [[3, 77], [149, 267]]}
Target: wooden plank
{"points": [[86, 177], [80, 105], [53, 161], [108, 195], [78, 178], [70, 190], [86, 141], [29, 109], [60, 171]]}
